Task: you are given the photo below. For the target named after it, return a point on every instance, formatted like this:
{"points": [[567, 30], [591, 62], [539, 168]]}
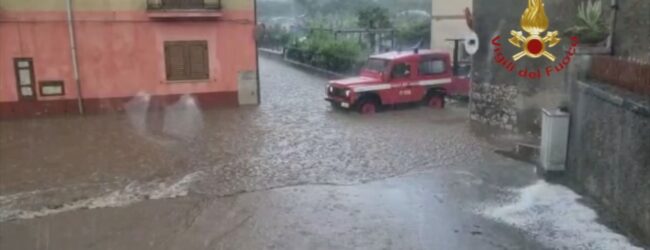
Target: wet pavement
{"points": [[289, 174]]}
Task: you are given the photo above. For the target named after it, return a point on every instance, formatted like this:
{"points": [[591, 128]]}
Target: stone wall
{"points": [[494, 105], [609, 151], [631, 32]]}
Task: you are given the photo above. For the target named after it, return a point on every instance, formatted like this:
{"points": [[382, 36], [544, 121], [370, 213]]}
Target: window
{"points": [[401, 70], [52, 88], [25, 78], [432, 67], [187, 60]]}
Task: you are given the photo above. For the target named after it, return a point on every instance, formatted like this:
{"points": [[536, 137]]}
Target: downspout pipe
{"points": [[73, 53], [612, 27], [257, 53]]}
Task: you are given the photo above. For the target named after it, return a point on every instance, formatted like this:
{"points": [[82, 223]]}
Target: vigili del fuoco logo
{"points": [[534, 42]]}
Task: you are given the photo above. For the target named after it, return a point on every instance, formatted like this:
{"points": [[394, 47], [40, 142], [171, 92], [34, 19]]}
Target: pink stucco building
{"points": [[163, 48]]}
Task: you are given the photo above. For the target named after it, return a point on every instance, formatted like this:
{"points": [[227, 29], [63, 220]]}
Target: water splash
{"points": [[132, 193], [553, 215], [183, 119], [136, 110]]}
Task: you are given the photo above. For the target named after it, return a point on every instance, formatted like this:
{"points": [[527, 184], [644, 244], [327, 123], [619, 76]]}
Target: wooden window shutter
{"points": [[175, 61], [187, 60], [198, 60]]}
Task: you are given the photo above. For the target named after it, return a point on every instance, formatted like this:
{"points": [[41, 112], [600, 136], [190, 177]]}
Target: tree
{"points": [[412, 33], [268, 9], [372, 18], [311, 7]]}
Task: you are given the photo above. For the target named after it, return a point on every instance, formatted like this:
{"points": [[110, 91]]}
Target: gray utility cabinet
{"points": [[248, 88], [555, 138]]}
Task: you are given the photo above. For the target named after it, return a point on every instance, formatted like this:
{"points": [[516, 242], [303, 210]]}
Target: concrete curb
{"points": [[313, 69], [269, 53], [618, 97]]}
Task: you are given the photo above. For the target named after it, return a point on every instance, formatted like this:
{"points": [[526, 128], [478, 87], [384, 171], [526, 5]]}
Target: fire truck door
{"points": [[401, 81]]}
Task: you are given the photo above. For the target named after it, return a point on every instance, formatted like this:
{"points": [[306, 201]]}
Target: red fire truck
{"points": [[401, 77]]}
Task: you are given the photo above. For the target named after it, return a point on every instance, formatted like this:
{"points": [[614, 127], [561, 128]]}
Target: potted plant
{"points": [[590, 27]]}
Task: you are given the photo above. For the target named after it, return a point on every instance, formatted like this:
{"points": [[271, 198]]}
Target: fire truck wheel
{"points": [[367, 106], [435, 100]]}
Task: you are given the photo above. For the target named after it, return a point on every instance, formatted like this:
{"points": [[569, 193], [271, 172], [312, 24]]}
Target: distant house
{"points": [[448, 22], [160, 48]]}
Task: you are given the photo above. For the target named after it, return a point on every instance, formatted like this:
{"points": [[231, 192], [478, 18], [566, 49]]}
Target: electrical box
{"points": [[248, 88], [555, 139]]}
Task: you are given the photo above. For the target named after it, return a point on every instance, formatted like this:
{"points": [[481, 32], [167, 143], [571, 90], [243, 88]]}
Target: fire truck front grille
{"points": [[338, 92]]}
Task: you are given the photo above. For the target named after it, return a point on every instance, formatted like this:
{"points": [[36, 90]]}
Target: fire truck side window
{"points": [[432, 67], [401, 70]]}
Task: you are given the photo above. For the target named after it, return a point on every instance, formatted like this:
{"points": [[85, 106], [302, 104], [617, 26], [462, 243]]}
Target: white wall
{"points": [[442, 29]]}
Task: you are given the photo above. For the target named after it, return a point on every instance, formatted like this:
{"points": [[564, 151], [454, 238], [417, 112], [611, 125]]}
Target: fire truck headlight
{"points": [[330, 89], [347, 93]]}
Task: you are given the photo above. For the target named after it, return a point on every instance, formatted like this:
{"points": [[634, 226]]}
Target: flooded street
{"points": [[293, 138], [290, 174]]}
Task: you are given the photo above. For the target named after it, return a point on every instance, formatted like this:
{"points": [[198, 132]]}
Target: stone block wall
{"points": [[632, 32], [609, 150], [494, 105]]}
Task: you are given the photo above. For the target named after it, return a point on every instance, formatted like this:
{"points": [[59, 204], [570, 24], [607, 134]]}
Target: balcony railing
{"points": [[175, 5]]}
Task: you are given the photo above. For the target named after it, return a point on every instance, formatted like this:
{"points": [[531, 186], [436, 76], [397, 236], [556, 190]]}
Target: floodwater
{"points": [[293, 138], [290, 174]]}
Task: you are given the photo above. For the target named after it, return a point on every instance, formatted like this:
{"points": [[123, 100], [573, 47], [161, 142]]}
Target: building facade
{"points": [[608, 147], [60, 56], [504, 99], [448, 22]]}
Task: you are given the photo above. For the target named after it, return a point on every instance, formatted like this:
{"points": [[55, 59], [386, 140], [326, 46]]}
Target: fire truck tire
{"points": [[367, 106], [435, 100]]}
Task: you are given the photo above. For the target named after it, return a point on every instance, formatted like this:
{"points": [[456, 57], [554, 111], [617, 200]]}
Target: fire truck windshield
{"points": [[378, 65]]}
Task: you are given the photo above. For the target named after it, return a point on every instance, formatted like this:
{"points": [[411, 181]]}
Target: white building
{"points": [[448, 22]]}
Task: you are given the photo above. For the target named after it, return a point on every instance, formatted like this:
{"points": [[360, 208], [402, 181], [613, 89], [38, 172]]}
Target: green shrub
{"points": [[273, 37], [591, 27], [323, 51]]}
